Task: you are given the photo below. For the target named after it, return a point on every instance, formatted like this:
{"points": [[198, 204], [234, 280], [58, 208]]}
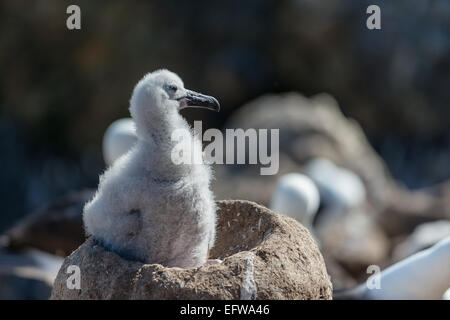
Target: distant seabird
{"points": [[424, 275], [424, 236], [338, 187], [118, 139], [446, 295], [147, 207], [297, 197]]}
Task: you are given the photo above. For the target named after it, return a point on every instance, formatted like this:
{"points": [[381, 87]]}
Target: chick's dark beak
{"points": [[194, 99]]}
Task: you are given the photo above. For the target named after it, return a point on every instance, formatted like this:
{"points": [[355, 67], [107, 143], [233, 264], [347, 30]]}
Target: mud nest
{"points": [[265, 255]]}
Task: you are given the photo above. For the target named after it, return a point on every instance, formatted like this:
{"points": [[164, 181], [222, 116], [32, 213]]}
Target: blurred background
{"points": [[387, 94]]}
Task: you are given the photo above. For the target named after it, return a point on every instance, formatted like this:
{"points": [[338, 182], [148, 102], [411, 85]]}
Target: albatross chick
{"points": [[148, 208]]}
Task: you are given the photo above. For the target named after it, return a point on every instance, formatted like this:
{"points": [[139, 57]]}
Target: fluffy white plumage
{"points": [[146, 207], [297, 197]]}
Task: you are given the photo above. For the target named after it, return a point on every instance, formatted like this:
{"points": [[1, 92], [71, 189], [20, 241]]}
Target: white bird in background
{"points": [[446, 295], [424, 275], [118, 139], [147, 207], [297, 197], [338, 187], [424, 236]]}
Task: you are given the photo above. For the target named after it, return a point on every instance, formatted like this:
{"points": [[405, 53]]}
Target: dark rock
{"points": [[58, 229], [405, 209], [339, 276], [316, 127], [312, 128], [27, 275], [353, 239]]}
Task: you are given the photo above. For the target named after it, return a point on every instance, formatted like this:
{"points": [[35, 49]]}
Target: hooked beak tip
{"points": [[197, 100]]}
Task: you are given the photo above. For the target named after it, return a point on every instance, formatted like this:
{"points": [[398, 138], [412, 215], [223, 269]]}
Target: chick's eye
{"points": [[172, 88]]}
